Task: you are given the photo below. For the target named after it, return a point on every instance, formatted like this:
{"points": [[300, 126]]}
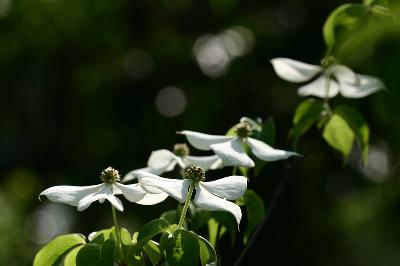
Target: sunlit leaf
{"points": [[339, 135], [359, 126], [53, 252], [207, 252], [153, 252], [341, 23], [70, 258]]}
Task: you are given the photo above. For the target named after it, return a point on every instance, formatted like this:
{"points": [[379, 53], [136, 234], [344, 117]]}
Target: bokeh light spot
{"points": [[171, 101]]}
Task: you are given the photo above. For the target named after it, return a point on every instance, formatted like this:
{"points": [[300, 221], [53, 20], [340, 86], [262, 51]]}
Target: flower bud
{"points": [[110, 175], [195, 173]]}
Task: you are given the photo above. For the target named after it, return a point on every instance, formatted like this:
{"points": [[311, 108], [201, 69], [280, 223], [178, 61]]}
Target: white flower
{"points": [[82, 197], [230, 148], [161, 161], [210, 196], [334, 79]]}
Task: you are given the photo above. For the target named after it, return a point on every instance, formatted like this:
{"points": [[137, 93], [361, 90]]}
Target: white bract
{"points": [[333, 79], [83, 196], [230, 148], [161, 161], [210, 196]]}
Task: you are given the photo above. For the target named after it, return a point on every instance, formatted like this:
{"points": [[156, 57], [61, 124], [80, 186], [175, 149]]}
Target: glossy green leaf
{"points": [[149, 231], [153, 252], [70, 258], [339, 135], [207, 252], [307, 113], [182, 248], [341, 23], [53, 252], [101, 236], [358, 125]]}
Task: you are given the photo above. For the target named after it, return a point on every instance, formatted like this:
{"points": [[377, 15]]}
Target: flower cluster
{"points": [[152, 189]]}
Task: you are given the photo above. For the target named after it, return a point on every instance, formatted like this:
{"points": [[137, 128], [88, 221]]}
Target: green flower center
{"points": [[110, 175], [195, 173], [181, 150]]}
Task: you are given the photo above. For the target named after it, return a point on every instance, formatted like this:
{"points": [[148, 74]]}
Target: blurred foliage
{"points": [[79, 83]]}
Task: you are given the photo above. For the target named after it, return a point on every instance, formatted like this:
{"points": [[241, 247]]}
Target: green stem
{"points": [[326, 99], [117, 231], [234, 170], [186, 206]]}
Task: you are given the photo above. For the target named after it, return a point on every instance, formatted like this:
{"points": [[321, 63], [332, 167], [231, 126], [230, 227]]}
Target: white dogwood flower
{"points": [[231, 148], [83, 196], [210, 196], [161, 161], [333, 79]]}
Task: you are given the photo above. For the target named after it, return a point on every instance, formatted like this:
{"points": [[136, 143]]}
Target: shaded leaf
{"points": [[255, 212], [70, 258], [149, 231], [171, 216], [307, 113], [182, 248]]}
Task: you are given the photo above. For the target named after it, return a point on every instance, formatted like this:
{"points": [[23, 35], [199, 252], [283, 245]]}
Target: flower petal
{"points": [[132, 174], [105, 192], [70, 195], [266, 153], [232, 153], [176, 188], [162, 159], [294, 71], [151, 199], [343, 74], [231, 187], [133, 192], [206, 162], [210, 202], [317, 88], [203, 141], [366, 86]]}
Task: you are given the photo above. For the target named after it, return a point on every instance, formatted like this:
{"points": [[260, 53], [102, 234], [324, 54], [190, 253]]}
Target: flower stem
{"points": [[234, 170], [117, 232], [186, 206]]}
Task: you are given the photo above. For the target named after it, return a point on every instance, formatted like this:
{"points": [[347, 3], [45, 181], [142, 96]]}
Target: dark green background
{"points": [[69, 109]]}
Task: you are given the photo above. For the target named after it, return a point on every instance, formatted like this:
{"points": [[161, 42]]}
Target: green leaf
{"points": [[198, 217], [339, 135], [207, 252], [255, 212], [268, 132], [227, 222], [53, 252], [89, 255], [341, 23], [107, 253], [306, 115], [70, 259], [359, 126], [212, 231], [153, 252], [182, 248], [172, 216], [102, 235], [149, 231], [126, 239]]}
